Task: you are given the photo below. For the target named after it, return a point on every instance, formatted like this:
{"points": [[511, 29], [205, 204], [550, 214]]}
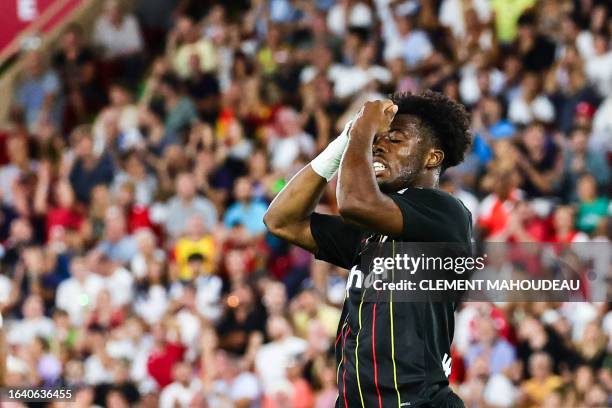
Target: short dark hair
{"points": [[124, 85], [171, 81], [527, 19], [448, 122], [195, 257]]}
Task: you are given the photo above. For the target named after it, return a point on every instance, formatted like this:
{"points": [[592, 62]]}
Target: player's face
{"points": [[399, 154]]}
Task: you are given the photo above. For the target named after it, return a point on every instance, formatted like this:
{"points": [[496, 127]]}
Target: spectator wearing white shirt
{"points": [[241, 387], [530, 105], [600, 139], [206, 288], [117, 280], [476, 81], [288, 140], [598, 67], [187, 317], [182, 390], [452, 14], [98, 367], [322, 62], [273, 358], [404, 39], [116, 126], [142, 343], [355, 78], [585, 40], [501, 389], [449, 183], [117, 33], [6, 286], [34, 323], [134, 182], [148, 252], [152, 297], [76, 295], [347, 13]]}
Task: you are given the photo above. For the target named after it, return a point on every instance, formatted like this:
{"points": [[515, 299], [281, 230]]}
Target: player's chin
{"points": [[384, 184], [380, 178], [383, 176]]}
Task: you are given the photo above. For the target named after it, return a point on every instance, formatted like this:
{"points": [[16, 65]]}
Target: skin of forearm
{"points": [[288, 216], [357, 185], [298, 198]]}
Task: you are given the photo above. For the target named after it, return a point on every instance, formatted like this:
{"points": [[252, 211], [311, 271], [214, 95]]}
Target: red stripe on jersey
{"points": [[338, 338], [344, 370]]}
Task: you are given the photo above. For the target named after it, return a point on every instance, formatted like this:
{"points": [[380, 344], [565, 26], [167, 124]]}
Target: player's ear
{"points": [[434, 158]]}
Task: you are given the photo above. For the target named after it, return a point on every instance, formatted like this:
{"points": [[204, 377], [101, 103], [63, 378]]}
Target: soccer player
{"points": [[389, 354]]}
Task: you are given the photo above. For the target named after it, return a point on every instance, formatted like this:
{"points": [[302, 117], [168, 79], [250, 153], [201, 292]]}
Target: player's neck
{"points": [[427, 180]]}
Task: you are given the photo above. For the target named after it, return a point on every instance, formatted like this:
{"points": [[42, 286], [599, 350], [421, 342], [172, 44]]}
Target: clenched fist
{"points": [[374, 117]]}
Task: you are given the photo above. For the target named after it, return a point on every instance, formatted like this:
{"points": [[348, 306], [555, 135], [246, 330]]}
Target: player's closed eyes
{"points": [[397, 135]]}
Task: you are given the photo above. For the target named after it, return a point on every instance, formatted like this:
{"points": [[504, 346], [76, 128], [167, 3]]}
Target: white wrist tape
{"points": [[326, 164]]}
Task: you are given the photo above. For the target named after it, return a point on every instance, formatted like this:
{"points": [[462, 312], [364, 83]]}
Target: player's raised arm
{"points": [[360, 199], [288, 216]]}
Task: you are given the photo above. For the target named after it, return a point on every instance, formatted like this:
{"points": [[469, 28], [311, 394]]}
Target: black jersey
{"points": [[394, 354]]}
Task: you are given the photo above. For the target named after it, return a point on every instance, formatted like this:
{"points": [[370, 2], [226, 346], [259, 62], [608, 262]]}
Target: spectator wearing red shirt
{"points": [[166, 352], [522, 225], [496, 208], [564, 226], [64, 211], [137, 215], [104, 314]]}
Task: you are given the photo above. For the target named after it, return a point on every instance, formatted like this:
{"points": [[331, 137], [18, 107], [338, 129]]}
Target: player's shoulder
{"points": [[436, 200], [434, 195]]}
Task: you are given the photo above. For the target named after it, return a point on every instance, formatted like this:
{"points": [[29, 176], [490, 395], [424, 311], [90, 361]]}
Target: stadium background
{"points": [[143, 140]]}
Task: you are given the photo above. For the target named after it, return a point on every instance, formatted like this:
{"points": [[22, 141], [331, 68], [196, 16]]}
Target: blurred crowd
{"points": [[144, 151]]}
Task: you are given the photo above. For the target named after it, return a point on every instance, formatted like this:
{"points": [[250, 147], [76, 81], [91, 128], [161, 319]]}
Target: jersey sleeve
{"points": [[337, 242]]}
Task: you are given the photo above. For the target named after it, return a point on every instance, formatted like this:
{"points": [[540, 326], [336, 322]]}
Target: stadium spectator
{"points": [[34, 324], [75, 63], [186, 203], [117, 33], [246, 210], [39, 97], [543, 381], [274, 358], [82, 286], [88, 168], [500, 352], [591, 206], [182, 390]]}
